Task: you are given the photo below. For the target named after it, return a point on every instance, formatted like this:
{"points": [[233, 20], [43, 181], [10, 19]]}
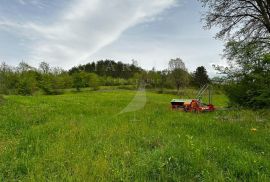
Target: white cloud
{"points": [[86, 26], [38, 3]]}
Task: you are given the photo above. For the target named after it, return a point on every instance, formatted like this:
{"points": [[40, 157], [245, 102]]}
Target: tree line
{"points": [[28, 80]]}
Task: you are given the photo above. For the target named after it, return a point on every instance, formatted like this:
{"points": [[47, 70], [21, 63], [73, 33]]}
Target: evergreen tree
{"points": [[200, 77]]}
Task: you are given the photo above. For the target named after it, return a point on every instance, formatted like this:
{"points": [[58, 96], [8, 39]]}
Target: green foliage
{"points": [[27, 83], [8, 80], [178, 73], [93, 81], [246, 25], [246, 93], [51, 84], [248, 74], [53, 81], [81, 137], [109, 68], [46, 85], [78, 80], [180, 78], [65, 80], [44, 67], [200, 77]]}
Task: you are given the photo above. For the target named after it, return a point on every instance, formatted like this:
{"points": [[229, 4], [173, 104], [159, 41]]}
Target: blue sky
{"points": [[65, 33]]}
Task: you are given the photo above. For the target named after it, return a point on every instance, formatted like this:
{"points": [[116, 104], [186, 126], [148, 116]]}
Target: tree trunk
{"points": [[264, 13]]}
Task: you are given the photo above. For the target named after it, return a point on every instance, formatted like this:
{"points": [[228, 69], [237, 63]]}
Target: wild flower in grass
{"points": [[253, 129], [127, 153]]}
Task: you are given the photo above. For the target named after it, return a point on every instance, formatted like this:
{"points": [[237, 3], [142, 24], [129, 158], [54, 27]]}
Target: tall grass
{"points": [[81, 137]]}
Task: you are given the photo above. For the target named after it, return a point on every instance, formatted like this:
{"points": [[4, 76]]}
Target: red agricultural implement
{"points": [[195, 105]]}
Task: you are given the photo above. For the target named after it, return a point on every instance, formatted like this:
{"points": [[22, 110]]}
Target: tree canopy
{"points": [[200, 77], [239, 19], [178, 73], [245, 24]]}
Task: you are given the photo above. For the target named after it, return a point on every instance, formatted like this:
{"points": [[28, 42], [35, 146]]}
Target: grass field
{"points": [[81, 137]]}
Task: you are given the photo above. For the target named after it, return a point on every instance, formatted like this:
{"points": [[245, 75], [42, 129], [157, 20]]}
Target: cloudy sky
{"points": [[70, 32]]}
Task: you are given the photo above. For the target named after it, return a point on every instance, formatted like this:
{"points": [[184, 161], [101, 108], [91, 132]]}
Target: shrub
{"points": [[248, 95], [27, 83], [51, 84], [93, 81]]}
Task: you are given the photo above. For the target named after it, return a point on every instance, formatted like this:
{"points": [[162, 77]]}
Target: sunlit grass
{"points": [[81, 137]]}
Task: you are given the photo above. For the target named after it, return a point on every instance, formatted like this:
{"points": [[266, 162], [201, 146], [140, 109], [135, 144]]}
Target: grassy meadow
{"points": [[82, 137]]}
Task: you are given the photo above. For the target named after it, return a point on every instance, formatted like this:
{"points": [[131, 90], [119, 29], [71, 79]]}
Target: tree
{"points": [[200, 77], [27, 83], [246, 24], [7, 79], [77, 81], [23, 67], [177, 64], [109, 68], [178, 72], [154, 78], [243, 59], [66, 80], [248, 74], [93, 81], [51, 84], [163, 80], [80, 80], [44, 67], [242, 19]]}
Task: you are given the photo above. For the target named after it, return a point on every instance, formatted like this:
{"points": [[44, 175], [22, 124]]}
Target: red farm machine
{"points": [[195, 105]]}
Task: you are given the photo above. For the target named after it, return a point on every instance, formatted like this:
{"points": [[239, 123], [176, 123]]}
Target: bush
{"points": [[28, 83], [8, 82], [248, 95], [93, 81], [51, 84], [127, 87]]}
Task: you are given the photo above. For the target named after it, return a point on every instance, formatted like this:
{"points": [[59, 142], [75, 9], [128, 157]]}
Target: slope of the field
{"points": [[81, 137]]}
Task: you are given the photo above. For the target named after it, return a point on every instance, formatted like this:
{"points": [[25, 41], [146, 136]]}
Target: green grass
{"points": [[81, 137]]}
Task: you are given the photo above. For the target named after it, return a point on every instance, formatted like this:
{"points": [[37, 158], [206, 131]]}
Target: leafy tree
{"points": [[93, 81], [27, 83], [162, 83], [154, 78], [8, 79], [77, 81], [218, 82], [246, 20], [243, 59], [246, 24], [24, 67], [65, 80], [51, 84], [178, 73], [80, 80], [44, 67], [45, 84], [248, 74], [200, 77]]}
